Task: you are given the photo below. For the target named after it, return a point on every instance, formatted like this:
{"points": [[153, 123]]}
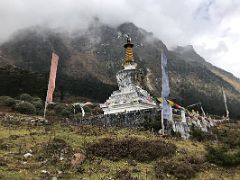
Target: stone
{"points": [[44, 171], [78, 159], [27, 155]]}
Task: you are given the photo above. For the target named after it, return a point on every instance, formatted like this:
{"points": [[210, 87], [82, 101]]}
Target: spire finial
{"points": [[129, 51], [128, 38]]}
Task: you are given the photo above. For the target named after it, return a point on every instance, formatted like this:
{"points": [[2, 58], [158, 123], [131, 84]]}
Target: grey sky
{"points": [[211, 26]]}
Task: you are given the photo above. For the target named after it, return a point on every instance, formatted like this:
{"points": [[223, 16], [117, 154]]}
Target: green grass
{"points": [[31, 139]]}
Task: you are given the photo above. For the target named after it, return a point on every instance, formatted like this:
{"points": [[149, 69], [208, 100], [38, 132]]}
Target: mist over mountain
{"points": [[90, 59]]}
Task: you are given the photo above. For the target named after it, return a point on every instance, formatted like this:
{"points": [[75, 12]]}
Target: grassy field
{"points": [[17, 140]]}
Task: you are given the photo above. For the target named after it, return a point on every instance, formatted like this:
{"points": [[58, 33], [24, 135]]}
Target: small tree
{"points": [[10, 102], [25, 108], [38, 103], [25, 97]]}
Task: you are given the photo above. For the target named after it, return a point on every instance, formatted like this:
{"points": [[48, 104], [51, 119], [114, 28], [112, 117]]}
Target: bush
{"points": [[124, 174], [78, 115], [133, 148], [50, 113], [66, 113], [184, 168], [37, 102], [53, 151], [25, 108], [36, 99], [180, 170], [3, 99], [199, 135], [10, 102], [152, 124], [25, 97], [228, 135], [59, 108], [223, 156]]}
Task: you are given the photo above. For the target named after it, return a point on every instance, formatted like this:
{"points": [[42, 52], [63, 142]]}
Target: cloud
{"points": [[211, 26]]}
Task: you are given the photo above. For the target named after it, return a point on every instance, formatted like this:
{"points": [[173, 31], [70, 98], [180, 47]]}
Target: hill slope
{"points": [[90, 60]]}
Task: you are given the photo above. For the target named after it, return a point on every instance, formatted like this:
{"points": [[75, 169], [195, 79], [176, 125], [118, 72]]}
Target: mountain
{"points": [[89, 61]]}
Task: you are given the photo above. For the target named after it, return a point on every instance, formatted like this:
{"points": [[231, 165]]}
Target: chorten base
{"points": [[128, 107]]}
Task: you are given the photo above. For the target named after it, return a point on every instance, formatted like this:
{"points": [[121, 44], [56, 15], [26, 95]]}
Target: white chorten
{"points": [[130, 96]]}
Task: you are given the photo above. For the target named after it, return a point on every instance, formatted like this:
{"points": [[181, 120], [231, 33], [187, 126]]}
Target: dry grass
{"points": [[24, 139]]}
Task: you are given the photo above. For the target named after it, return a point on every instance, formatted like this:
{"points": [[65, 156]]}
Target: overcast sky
{"points": [[211, 26]]}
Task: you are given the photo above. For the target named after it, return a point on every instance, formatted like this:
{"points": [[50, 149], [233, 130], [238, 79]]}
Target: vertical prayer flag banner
{"points": [[165, 87], [52, 77], [225, 103]]}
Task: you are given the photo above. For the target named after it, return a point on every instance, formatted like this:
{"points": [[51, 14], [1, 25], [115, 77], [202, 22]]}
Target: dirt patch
{"points": [[131, 148]]}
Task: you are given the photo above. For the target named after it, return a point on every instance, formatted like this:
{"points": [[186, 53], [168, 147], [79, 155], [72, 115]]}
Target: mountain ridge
{"points": [[99, 53]]}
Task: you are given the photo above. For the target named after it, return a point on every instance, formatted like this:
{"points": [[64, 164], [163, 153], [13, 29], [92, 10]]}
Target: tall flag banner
{"points": [[225, 103], [52, 78], [165, 87]]}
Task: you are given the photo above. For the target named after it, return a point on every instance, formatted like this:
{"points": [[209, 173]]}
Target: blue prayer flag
{"points": [[165, 87]]}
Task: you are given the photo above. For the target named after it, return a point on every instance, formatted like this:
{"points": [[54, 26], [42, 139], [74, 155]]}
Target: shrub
{"points": [[223, 156], [10, 102], [25, 108], [124, 174], [78, 115], [66, 113], [184, 168], [199, 135], [25, 97], [50, 112], [97, 110], [53, 151], [87, 109], [180, 170], [133, 148], [16, 102], [152, 123], [59, 108], [229, 136], [3, 99], [37, 102], [36, 99]]}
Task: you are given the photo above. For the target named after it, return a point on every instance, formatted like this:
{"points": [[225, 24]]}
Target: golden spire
{"points": [[129, 51]]}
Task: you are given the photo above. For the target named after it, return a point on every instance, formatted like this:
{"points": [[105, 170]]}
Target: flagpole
{"points": [[45, 109], [162, 120]]}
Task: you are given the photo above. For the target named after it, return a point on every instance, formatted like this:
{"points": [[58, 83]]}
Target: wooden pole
{"points": [[45, 107], [162, 120]]}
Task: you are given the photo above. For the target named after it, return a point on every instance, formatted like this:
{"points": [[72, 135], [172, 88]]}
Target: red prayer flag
{"points": [[52, 77]]}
